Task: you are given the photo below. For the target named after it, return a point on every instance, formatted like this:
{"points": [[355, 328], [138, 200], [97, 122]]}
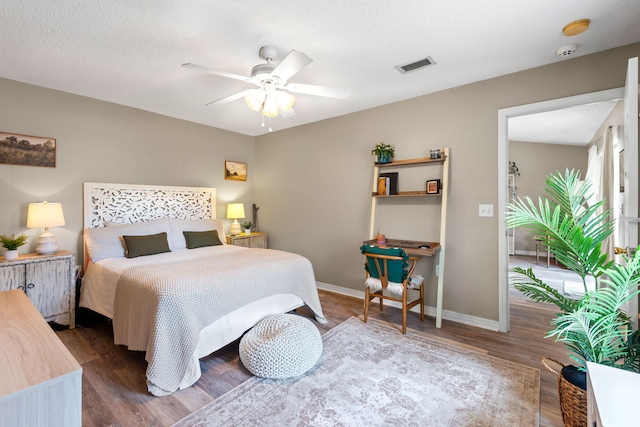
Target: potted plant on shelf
{"points": [[383, 152], [247, 226], [594, 328], [11, 244]]}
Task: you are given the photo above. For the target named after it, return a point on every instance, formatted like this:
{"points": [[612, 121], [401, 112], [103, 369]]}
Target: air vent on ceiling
{"points": [[416, 65]]}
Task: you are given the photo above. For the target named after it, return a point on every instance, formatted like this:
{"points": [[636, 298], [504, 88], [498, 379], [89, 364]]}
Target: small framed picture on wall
{"points": [[16, 149], [433, 186], [235, 171]]}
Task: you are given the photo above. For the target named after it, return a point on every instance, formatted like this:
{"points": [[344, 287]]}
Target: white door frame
{"points": [[503, 156]]}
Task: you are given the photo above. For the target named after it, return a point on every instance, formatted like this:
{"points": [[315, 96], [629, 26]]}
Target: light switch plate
{"points": [[485, 210]]}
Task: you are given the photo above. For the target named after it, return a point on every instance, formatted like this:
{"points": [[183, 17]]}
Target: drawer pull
{"points": [[21, 287], [30, 286]]}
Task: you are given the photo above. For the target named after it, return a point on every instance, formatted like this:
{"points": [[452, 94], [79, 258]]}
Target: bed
{"points": [[184, 300]]}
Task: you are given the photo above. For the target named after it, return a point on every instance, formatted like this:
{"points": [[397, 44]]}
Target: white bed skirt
{"points": [[230, 327]]}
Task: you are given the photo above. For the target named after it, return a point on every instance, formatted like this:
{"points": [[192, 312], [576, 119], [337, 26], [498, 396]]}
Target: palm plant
{"points": [[594, 328], [597, 330]]}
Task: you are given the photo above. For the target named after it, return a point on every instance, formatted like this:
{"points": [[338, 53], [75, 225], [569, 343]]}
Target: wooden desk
{"points": [[421, 249], [411, 247]]}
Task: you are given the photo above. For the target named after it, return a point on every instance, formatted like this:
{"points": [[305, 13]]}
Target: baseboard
{"points": [[531, 253], [466, 319]]}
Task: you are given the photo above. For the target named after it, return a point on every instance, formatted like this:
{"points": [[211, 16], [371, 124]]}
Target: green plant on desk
{"points": [[246, 225]]}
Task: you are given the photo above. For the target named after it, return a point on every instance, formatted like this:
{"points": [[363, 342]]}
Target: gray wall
{"points": [[102, 142], [535, 162], [313, 182]]}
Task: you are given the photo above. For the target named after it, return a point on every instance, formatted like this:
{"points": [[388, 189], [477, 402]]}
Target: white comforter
{"points": [[161, 308]]}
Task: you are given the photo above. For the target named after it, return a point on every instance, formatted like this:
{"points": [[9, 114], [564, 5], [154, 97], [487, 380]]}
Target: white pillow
{"points": [[106, 242], [179, 225]]}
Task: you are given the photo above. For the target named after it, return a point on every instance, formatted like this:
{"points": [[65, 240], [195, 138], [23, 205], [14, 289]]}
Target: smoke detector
{"points": [[566, 50]]}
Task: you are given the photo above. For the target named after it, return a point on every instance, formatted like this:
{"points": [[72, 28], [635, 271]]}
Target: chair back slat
{"points": [[382, 272]]}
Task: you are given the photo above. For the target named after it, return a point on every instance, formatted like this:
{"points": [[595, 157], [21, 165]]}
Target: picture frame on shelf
{"points": [[433, 186], [235, 171], [27, 150]]}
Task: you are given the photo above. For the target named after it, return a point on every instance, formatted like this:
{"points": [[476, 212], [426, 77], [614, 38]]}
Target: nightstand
{"points": [[48, 281], [253, 240]]}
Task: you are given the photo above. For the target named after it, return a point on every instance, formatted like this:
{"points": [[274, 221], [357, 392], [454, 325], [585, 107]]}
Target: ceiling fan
{"points": [[273, 95]]}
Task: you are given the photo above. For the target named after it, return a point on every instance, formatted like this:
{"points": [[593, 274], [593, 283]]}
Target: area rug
{"points": [[372, 375]]}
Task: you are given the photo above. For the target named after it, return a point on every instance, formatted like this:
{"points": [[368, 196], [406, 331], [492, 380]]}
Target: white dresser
{"points": [[612, 397], [40, 381], [48, 281]]}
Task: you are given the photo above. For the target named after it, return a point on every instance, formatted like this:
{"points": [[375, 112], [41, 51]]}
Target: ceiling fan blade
{"points": [[288, 113], [217, 72], [331, 92], [228, 98], [291, 64]]}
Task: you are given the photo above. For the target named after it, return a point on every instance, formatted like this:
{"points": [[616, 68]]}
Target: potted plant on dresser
{"points": [[11, 245], [594, 328]]}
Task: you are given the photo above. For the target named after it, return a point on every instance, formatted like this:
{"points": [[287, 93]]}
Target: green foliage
{"points": [[594, 328], [382, 148], [12, 243], [535, 289], [573, 232], [597, 330], [246, 224]]}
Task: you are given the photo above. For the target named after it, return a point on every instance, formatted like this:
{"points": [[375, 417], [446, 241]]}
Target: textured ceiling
{"points": [[130, 52]]}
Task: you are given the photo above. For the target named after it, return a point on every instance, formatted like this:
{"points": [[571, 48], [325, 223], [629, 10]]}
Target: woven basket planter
{"points": [[573, 399]]}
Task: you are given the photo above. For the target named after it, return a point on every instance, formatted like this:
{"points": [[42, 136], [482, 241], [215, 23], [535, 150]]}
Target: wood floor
{"points": [[114, 391]]}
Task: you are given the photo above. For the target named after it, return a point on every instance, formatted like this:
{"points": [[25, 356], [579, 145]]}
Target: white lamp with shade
{"points": [[235, 211], [45, 215]]}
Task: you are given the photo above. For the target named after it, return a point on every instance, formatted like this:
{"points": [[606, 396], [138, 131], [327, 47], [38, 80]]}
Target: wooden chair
{"points": [[393, 267]]}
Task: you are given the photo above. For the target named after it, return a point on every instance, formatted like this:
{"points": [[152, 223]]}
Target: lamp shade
{"points": [[45, 215], [255, 99], [270, 108], [235, 210], [285, 100]]}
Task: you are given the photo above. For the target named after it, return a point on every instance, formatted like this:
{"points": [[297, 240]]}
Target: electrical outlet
{"points": [[437, 270], [485, 210]]}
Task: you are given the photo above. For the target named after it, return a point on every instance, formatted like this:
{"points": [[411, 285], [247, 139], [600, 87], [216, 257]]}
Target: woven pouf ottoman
{"points": [[281, 346]]}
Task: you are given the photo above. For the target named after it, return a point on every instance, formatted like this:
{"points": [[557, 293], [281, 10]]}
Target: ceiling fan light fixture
{"points": [[255, 99], [285, 100], [270, 108]]}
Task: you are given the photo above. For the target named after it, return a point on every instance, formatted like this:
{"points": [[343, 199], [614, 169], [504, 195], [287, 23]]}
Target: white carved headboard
{"points": [[129, 203]]}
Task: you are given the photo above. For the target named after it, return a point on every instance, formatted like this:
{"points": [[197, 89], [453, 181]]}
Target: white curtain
{"points": [[594, 172], [607, 191]]}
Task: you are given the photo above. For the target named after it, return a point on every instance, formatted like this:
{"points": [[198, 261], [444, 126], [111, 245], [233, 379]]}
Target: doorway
{"points": [[503, 194]]}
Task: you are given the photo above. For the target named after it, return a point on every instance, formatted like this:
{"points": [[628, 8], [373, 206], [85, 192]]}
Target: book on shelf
{"points": [[392, 187], [383, 186]]}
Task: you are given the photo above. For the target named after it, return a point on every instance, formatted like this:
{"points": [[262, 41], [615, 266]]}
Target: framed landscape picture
{"points": [[27, 150], [235, 171]]}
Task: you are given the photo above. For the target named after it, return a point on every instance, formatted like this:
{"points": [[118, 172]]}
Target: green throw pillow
{"points": [[199, 239], [397, 269], [146, 245]]}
